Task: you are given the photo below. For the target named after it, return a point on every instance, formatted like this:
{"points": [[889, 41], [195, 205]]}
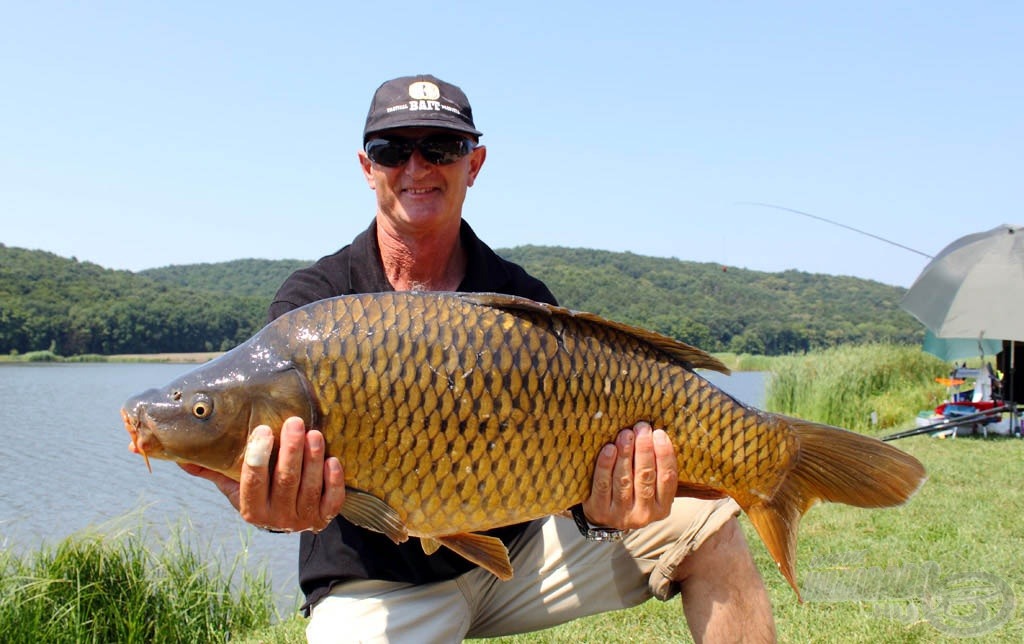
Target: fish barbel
{"points": [[454, 413]]}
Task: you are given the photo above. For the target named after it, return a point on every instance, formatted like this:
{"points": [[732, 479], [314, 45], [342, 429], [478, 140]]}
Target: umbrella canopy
{"points": [[974, 288], [950, 349]]}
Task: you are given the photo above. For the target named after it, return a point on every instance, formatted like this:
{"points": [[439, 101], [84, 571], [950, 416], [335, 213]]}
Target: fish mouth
{"points": [[140, 442]]}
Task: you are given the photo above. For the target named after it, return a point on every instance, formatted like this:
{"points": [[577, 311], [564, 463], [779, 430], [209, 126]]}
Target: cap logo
{"points": [[424, 91]]}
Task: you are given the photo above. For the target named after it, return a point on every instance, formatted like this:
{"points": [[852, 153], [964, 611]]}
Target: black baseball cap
{"points": [[419, 101]]}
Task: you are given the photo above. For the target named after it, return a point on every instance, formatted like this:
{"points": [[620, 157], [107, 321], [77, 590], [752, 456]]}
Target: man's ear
{"points": [[367, 167], [476, 161]]}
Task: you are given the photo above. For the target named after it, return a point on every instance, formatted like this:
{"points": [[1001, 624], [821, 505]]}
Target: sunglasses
{"points": [[439, 149]]}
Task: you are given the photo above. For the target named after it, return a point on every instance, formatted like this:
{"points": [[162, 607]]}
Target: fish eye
{"points": [[202, 406]]}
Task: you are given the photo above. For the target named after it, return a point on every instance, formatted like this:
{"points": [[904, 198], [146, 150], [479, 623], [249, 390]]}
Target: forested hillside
{"points": [[253, 277], [722, 308], [72, 307]]}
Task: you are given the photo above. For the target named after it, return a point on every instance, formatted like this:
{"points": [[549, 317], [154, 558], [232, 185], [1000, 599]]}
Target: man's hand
{"points": [[635, 480], [305, 491]]}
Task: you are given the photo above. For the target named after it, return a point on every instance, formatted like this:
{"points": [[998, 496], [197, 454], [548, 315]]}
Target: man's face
{"points": [[417, 195]]}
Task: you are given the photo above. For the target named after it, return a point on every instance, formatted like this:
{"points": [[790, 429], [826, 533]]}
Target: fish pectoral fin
{"points": [[367, 511], [487, 552], [698, 491], [430, 545]]}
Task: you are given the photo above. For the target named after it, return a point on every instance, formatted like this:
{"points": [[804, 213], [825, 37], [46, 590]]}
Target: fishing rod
{"points": [[836, 223], [950, 423]]}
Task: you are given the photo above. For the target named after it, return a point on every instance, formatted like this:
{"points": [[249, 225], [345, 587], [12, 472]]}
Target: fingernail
{"points": [[259, 447], [608, 450], [660, 437], [643, 429]]}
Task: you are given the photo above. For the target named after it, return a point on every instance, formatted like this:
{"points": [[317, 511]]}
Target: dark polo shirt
{"points": [[345, 551]]}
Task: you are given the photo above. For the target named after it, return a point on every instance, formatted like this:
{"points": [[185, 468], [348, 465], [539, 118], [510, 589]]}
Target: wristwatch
{"points": [[593, 533]]}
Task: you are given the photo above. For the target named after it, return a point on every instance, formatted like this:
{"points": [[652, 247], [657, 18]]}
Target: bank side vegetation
{"points": [[70, 308]]}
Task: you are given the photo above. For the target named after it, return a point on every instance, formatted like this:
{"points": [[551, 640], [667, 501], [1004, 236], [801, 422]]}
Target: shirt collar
{"points": [[484, 271]]}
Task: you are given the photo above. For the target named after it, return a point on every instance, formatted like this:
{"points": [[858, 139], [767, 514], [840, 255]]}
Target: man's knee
{"points": [[723, 552], [703, 533]]}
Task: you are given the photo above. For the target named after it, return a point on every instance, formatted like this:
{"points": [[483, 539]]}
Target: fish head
{"points": [[205, 416]]}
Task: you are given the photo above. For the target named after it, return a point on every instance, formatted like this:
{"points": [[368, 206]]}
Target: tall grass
{"points": [[94, 588], [845, 386]]}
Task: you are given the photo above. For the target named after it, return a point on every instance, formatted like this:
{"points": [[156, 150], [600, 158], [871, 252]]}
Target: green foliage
{"points": [[40, 356], [243, 277], [91, 588], [72, 307], [67, 307], [842, 386], [721, 308]]}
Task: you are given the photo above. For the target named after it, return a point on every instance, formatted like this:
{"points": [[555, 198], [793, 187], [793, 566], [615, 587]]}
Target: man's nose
{"points": [[417, 164]]}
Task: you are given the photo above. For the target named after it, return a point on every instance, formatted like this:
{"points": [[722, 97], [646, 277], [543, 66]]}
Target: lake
{"points": [[66, 467]]}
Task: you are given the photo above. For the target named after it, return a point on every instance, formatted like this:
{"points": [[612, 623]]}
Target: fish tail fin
{"points": [[832, 465]]}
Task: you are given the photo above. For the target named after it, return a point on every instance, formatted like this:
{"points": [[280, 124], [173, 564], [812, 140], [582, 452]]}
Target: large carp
{"points": [[454, 413]]}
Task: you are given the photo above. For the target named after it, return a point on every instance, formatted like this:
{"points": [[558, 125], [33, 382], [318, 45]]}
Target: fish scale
{"points": [[472, 387], [456, 413]]}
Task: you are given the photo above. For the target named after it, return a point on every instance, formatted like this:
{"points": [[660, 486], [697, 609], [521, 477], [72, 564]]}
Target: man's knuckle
{"points": [[287, 479]]}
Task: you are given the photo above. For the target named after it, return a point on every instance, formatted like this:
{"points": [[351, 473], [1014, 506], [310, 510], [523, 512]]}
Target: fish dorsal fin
{"points": [[487, 552], [692, 356], [367, 511]]}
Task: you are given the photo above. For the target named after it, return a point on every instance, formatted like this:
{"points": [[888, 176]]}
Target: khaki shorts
{"points": [[559, 577]]}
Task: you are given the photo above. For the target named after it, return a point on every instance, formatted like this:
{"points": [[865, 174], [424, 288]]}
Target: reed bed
{"points": [[119, 588], [865, 388]]}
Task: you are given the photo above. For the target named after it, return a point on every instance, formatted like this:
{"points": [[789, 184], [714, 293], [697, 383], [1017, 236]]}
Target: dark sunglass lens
{"points": [[389, 153], [444, 149]]}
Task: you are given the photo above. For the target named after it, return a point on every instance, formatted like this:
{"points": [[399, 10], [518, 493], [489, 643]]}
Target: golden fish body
{"points": [[455, 413]]}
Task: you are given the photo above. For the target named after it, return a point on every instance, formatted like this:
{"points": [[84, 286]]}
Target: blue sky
{"points": [[137, 135]]}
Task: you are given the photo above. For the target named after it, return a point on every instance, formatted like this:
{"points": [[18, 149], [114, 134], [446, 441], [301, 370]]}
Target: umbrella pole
{"points": [[1014, 424]]}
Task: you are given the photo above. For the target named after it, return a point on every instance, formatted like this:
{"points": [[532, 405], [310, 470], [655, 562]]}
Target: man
{"points": [[420, 156]]}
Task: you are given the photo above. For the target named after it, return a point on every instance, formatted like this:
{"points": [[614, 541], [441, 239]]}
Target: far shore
{"points": [[195, 358]]}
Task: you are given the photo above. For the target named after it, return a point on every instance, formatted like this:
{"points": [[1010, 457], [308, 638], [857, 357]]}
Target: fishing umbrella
{"points": [[974, 288], [950, 349]]}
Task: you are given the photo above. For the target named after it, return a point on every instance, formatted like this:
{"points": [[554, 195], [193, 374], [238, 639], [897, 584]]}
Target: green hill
{"points": [[252, 277], [721, 308], [72, 307]]}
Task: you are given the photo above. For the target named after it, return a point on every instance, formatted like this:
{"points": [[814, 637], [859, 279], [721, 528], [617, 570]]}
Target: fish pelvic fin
{"points": [[837, 466], [487, 552], [429, 545]]}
